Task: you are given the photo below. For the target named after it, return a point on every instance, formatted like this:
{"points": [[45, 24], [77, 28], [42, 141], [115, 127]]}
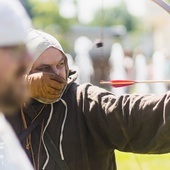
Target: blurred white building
{"points": [[82, 47]]}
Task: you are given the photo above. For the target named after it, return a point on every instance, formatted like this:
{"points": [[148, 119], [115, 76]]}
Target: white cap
{"points": [[14, 23], [39, 41]]}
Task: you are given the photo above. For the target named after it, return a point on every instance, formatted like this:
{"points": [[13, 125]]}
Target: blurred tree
{"points": [[118, 15], [27, 6], [46, 13]]}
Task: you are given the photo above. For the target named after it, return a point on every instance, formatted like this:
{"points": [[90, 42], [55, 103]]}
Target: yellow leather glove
{"points": [[45, 87]]}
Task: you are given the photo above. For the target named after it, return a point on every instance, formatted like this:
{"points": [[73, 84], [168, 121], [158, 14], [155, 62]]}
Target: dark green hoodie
{"points": [[96, 123]]}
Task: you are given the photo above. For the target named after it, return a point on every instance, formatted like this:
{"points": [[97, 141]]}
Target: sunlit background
{"points": [[135, 36]]}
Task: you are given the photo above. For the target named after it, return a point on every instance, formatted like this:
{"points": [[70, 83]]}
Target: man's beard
{"points": [[14, 94], [10, 100]]}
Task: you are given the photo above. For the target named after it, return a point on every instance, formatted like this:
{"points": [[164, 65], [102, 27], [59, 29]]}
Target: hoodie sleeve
{"points": [[130, 123]]}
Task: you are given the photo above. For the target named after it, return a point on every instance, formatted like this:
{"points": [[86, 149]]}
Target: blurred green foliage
{"points": [[118, 15], [46, 13]]}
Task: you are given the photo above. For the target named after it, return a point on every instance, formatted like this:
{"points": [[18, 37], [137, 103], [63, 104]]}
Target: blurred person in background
{"points": [[14, 60], [83, 57], [78, 127]]}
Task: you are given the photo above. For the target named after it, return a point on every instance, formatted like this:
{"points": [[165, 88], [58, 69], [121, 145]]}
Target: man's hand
{"points": [[46, 87]]}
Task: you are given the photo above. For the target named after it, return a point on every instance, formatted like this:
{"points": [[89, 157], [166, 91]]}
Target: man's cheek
{"points": [[64, 74], [20, 88]]}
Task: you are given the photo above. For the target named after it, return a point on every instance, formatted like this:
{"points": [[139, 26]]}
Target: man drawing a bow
{"points": [[70, 126]]}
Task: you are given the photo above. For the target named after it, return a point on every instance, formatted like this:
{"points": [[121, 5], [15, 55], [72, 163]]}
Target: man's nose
{"points": [[55, 70]]}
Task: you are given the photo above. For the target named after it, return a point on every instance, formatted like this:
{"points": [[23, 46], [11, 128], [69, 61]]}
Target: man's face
{"points": [[51, 61], [13, 64]]}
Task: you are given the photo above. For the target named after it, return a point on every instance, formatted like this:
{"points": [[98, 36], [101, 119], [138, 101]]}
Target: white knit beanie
{"points": [[14, 23]]}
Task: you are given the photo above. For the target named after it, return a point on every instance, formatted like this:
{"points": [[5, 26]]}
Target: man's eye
{"points": [[44, 68], [61, 65]]}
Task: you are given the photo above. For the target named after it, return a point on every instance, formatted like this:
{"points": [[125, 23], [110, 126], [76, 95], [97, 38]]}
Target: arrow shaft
{"points": [[117, 82], [135, 81], [152, 81], [124, 83]]}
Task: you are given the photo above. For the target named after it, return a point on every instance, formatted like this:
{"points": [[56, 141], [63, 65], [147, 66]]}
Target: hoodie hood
{"points": [[39, 41], [72, 76]]}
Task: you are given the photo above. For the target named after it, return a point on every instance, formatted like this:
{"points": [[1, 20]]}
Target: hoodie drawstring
{"points": [[61, 134], [48, 121], [62, 129]]}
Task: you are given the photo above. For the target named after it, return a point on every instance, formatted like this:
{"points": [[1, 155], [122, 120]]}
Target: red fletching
{"points": [[121, 83], [118, 83]]}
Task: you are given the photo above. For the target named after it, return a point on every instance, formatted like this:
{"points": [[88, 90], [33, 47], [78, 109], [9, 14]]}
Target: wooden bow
{"points": [[163, 4]]}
